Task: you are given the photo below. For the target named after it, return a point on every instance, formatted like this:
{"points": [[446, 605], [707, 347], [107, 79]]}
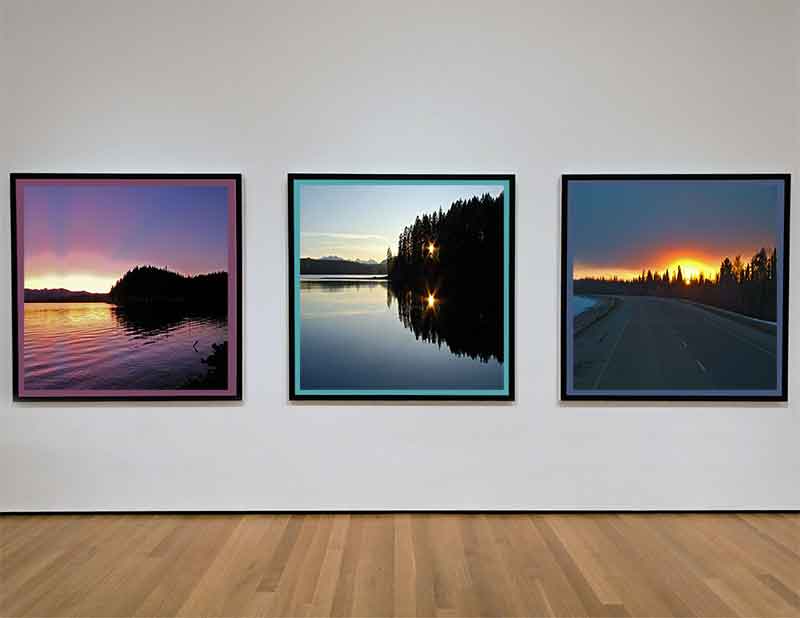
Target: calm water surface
{"points": [[98, 346], [353, 334]]}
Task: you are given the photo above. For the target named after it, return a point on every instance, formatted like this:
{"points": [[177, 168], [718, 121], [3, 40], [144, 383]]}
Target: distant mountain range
{"points": [[332, 265], [336, 258], [61, 295]]}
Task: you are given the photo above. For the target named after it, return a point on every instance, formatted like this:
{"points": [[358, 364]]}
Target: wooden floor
{"points": [[401, 565]]}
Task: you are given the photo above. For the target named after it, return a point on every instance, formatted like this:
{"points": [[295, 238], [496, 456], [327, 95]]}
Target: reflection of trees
{"points": [[455, 255], [150, 321], [468, 321]]}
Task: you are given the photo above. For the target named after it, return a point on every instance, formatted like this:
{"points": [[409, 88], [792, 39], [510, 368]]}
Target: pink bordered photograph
{"points": [[126, 286]]}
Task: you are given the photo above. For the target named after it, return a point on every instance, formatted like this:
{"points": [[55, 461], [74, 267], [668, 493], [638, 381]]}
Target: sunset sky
{"points": [[618, 228], [85, 237], [358, 221]]}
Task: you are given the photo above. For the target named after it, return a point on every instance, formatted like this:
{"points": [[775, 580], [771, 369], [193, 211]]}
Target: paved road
{"points": [[664, 343]]}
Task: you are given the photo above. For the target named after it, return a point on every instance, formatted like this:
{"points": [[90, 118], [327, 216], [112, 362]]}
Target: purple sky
{"points": [[82, 236]]}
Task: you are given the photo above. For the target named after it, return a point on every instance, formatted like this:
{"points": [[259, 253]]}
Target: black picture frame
{"points": [[566, 396], [236, 178], [293, 279]]}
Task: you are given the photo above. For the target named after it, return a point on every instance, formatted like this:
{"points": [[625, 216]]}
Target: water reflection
{"points": [[333, 286], [141, 321], [101, 346], [467, 321]]}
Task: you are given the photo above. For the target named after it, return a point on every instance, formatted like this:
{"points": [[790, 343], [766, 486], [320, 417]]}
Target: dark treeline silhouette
{"points": [[463, 244], [447, 277], [750, 288], [148, 285]]}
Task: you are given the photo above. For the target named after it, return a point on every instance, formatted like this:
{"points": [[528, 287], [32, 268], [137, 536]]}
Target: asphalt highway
{"points": [[665, 343]]}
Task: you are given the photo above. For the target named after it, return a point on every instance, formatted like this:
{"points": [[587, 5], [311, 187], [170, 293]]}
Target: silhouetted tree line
{"points": [[466, 242], [750, 288], [456, 257], [148, 286]]}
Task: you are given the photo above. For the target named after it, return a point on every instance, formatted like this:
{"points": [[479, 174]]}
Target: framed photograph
{"points": [[675, 287], [401, 287], [126, 286]]}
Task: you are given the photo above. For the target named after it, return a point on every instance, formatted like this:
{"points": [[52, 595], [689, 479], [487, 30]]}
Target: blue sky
{"points": [[359, 221]]}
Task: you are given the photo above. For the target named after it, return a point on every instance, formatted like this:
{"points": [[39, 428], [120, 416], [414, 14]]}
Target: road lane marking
{"points": [[702, 367]]}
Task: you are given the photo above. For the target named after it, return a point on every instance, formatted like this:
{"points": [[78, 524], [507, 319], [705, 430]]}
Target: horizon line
{"points": [[118, 278]]}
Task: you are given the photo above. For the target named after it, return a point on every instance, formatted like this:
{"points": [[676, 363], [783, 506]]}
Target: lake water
{"points": [[98, 346], [360, 335]]}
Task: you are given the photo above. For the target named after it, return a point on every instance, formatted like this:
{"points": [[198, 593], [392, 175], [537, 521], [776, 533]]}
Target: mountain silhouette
{"points": [[325, 266], [62, 295]]}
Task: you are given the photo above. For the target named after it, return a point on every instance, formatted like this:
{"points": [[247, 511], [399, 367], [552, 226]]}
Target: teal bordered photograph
{"points": [[401, 287]]}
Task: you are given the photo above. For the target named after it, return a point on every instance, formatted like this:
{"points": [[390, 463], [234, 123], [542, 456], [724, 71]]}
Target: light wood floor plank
{"points": [[438, 565], [343, 599], [405, 600]]}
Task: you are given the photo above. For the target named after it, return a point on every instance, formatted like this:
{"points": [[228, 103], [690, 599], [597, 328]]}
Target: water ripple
{"points": [[97, 346]]}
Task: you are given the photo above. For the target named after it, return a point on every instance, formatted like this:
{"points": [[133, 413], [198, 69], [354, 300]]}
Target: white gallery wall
{"points": [[531, 88]]}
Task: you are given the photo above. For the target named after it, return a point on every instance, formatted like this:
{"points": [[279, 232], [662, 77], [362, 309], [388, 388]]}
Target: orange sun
{"points": [[691, 269]]}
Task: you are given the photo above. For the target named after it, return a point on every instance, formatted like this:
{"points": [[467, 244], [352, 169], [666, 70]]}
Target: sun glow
{"points": [[691, 269], [431, 300], [431, 248], [75, 282]]}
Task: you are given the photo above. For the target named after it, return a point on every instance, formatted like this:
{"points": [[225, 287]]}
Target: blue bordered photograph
{"points": [[675, 287], [401, 287]]}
